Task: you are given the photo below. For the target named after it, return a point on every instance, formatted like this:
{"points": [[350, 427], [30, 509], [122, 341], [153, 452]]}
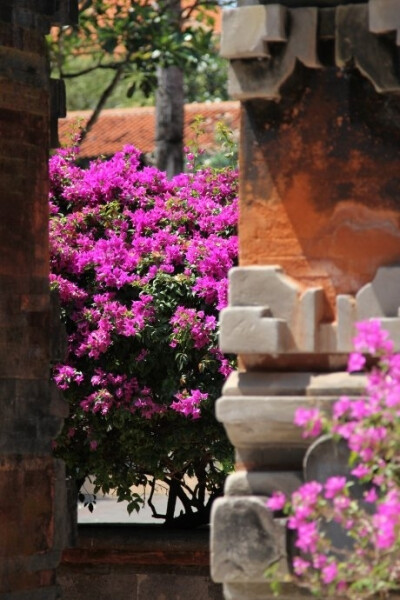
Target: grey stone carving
{"points": [[244, 539], [384, 16], [258, 483], [257, 410], [265, 43], [270, 314], [247, 31], [356, 45], [255, 78]]}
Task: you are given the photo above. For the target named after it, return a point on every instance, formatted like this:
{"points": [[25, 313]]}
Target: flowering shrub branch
{"points": [[367, 563], [140, 264]]}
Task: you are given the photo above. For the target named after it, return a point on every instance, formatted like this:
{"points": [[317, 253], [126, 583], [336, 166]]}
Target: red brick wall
{"points": [[31, 482]]}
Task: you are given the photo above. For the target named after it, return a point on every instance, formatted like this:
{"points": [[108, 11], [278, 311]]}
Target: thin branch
{"points": [[102, 101], [187, 11], [79, 73], [114, 66], [85, 5], [154, 512], [187, 502]]}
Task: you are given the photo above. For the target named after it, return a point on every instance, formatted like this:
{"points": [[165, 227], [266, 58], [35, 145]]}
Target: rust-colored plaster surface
{"points": [[320, 184]]}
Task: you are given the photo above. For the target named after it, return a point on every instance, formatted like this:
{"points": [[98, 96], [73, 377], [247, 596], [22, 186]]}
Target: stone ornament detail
{"points": [[271, 314], [247, 31], [257, 410], [372, 54], [265, 43], [239, 519], [384, 16], [264, 76]]}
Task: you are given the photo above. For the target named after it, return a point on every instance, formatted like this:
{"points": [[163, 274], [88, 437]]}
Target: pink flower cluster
{"points": [[118, 235], [140, 263], [188, 404], [370, 426], [192, 326]]}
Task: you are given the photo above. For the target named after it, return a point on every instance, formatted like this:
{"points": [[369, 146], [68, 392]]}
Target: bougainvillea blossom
{"points": [[140, 263], [366, 563]]}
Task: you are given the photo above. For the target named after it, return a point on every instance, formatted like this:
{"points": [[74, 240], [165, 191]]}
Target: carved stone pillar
{"points": [[319, 243]]}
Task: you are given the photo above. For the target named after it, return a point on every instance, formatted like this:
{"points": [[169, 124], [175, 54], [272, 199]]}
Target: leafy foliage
{"points": [[138, 38], [141, 263], [226, 155]]}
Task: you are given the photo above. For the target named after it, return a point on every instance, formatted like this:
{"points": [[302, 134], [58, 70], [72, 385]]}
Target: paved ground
{"points": [[108, 510]]}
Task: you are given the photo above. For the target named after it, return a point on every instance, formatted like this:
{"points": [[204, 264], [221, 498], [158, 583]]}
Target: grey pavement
{"points": [[108, 510]]}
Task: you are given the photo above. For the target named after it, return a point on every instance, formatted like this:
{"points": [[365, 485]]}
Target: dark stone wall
{"points": [[32, 484], [138, 562]]}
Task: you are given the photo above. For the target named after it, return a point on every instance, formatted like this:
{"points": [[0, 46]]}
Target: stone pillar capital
{"points": [[267, 43]]}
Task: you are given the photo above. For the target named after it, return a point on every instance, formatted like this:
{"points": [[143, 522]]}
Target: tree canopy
{"points": [[112, 57], [141, 263]]}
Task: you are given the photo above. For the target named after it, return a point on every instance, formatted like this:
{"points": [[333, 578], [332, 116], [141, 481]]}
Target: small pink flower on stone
{"points": [[360, 471], [310, 419], [334, 486], [371, 495], [319, 560], [300, 565], [372, 338], [356, 362], [340, 503], [276, 502]]}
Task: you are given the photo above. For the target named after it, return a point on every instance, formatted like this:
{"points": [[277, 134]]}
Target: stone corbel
{"points": [[384, 17], [358, 45], [265, 43], [255, 70], [271, 314], [247, 31]]}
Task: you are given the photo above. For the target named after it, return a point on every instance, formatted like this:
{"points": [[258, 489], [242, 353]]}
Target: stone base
{"points": [[33, 531], [261, 591], [257, 410]]}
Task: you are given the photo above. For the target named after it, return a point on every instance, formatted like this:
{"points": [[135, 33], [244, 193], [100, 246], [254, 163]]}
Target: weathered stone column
{"points": [[319, 243], [32, 484]]}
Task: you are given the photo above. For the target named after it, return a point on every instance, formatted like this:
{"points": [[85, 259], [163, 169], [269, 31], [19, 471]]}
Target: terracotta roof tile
{"points": [[119, 126]]}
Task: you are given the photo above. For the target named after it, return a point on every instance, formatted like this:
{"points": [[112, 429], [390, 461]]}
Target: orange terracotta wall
{"points": [[320, 183]]}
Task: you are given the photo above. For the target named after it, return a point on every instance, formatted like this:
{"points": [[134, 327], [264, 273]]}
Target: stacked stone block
{"points": [[319, 238], [32, 483]]}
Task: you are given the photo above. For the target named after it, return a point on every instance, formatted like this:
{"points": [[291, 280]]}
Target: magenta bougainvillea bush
{"points": [[365, 505], [140, 263]]}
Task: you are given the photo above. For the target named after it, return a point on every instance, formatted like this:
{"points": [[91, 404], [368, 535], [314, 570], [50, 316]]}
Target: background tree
{"points": [[140, 263], [119, 54], [170, 105]]}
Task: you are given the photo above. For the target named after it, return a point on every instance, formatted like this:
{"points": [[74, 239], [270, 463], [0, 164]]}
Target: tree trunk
{"points": [[169, 109], [169, 121]]}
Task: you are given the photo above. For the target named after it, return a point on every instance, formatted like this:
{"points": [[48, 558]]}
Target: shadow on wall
{"points": [[145, 562]]}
